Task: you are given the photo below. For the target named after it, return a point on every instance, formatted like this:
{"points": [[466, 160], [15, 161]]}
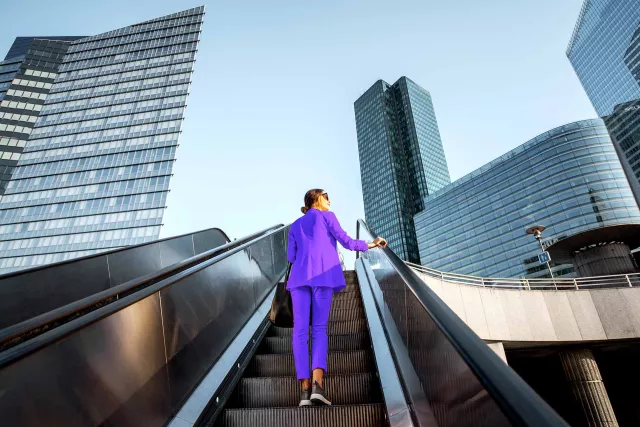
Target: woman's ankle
{"points": [[318, 376], [305, 383]]}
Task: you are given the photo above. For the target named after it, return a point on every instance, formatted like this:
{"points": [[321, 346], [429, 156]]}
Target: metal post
{"points": [[548, 265], [575, 283], [628, 281], [536, 231]]}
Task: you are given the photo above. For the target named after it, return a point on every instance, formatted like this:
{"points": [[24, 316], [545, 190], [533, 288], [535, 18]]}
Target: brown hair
{"points": [[310, 199]]}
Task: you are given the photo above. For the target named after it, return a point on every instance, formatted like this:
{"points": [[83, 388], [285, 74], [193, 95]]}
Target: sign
{"points": [[544, 257]]}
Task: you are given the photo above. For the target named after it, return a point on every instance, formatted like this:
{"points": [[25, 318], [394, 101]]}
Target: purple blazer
{"points": [[313, 254]]}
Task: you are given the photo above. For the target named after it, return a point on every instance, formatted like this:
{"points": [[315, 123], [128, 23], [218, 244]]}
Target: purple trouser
{"points": [[316, 302]]}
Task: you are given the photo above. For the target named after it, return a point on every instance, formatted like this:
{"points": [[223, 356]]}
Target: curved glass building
{"points": [[568, 179]]}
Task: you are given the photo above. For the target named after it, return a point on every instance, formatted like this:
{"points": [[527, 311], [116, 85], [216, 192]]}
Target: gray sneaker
{"points": [[318, 395], [304, 397]]}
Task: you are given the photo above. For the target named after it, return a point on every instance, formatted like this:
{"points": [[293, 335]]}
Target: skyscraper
{"points": [[25, 95], [96, 121], [605, 53], [401, 159]]}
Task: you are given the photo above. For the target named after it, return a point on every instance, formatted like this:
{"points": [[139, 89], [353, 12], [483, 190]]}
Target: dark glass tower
{"points": [[26, 75], [605, 53], [96, 122], [401, 159]]}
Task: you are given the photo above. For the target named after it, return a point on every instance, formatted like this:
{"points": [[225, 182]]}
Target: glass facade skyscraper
{"points": [[605, 53], [36, 60], [401, 159], [568, 179], [97, 125]]}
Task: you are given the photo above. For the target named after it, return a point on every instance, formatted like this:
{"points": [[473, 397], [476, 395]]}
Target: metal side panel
{"points": [[209, 387], [423, 414], [398, 412]]}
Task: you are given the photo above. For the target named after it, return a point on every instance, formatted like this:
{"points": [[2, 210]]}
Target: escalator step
{"points": [[346, 304], [333, 328], [350, 276], [347, 314], [312, 416], [279, 345], [351, 287], [344, 295], [338, 362], [285, 391]]}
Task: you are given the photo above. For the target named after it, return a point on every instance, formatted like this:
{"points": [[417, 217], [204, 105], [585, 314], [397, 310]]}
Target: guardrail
{"points": [[613, 281]]}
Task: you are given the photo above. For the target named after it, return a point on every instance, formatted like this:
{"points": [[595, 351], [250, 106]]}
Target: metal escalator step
{"points": [[285, 391], [279, 345], [351, 287], [342, 295], [311, 416], [350, 276], [348, 314], [346, 304], [338, 362], [333, 328]]}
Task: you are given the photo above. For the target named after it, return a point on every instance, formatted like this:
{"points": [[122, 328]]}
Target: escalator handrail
{"points": [[23, 349], [520, 404], [99, 254], [68, 310]]}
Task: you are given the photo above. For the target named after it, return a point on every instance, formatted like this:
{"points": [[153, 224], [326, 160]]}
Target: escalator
{"points": [[268, 393], [30, 292], [191, 345]]}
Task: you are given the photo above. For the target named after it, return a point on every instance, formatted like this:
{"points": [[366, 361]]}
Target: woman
{"points": [[315, 276]]}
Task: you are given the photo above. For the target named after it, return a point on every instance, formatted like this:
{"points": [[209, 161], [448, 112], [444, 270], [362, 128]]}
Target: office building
{"points": [[37, 60], [568, 179], [401, 159], [605, 53], [97, 126]]}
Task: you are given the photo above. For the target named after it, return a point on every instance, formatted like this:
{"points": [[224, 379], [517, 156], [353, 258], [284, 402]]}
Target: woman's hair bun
{"points": [[304, 210]]}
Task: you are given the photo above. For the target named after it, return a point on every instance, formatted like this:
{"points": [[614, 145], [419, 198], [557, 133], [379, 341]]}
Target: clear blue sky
{"points": [[270, 113]]}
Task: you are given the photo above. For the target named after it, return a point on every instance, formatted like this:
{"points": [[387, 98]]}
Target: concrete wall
{"points": [[543, 316]]}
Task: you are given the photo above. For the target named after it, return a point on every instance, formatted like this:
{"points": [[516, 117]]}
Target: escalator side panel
{"points": [[26, 294], [464, 382], [88, 376], [22, 297], [201, 316], [262, 267], [136, 364], [454, 394]]}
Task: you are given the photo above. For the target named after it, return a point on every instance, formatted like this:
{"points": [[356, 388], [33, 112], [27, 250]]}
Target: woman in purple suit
{"points": [[316, 274]]}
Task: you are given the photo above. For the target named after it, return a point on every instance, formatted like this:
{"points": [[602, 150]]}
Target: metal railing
{"points": [[28, 329], [613, 281]]}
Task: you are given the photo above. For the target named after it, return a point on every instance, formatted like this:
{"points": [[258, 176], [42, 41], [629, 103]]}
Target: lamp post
{"points": [[537, 230]]}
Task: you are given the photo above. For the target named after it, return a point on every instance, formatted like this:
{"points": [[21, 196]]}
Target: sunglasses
{"points": [[326, 196]]}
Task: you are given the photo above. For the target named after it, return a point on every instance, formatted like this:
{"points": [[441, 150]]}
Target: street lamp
{"points": [[537, 230]]}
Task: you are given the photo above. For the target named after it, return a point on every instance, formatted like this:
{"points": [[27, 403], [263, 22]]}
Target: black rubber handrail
{"points": [[23, 349], [106, 252], [40, 322], [517, 400]]}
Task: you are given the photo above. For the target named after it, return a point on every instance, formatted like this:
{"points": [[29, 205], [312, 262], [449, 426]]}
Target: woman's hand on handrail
{"points": [[379, 241]]}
